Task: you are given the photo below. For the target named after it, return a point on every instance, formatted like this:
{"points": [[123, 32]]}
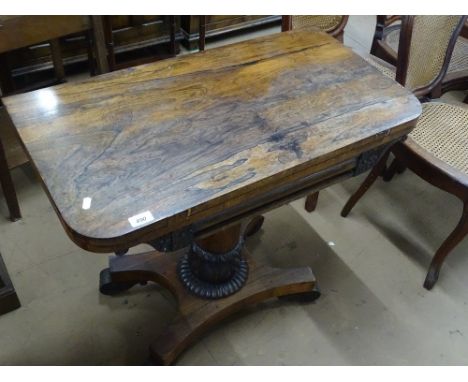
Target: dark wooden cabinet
{"points": [[134, 32], [134, 40], [217, 25], [130, 34], [133, 37]]}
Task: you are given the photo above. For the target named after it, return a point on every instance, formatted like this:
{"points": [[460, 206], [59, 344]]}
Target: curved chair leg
{"points": [[311, 202], [369, 181], [454, 238], [396, 167]]}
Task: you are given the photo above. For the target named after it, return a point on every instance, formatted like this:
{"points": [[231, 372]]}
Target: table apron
{"points": [[260, 204]]}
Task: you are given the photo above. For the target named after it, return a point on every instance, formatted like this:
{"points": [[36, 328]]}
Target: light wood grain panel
{"points": [[21, 31]]}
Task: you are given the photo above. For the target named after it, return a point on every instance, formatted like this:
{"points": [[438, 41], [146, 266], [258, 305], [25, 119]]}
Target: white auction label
{"points": [[140, 219]]}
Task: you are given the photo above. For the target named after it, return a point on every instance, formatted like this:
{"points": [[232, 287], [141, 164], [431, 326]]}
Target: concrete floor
{"points": [[370, 266]]}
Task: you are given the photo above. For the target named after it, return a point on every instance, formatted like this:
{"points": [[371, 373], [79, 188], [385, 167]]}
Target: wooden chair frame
{"points": [[379, 48], [451, 81], [409, 154], [109, 42]]}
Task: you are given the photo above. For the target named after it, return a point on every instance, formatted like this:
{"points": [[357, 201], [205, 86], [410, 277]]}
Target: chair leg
{"points": [[201, 32], [109, 41], [454, 238], [99, 44], [172, 38], [311, 202], [378, 169], [57, 60], [396, 167], [89, 52], [8, 187]]}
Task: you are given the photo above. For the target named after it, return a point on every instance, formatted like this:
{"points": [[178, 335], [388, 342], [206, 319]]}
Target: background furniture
{"points": [[380, 48], [436, 150], [8, 299], [39, 37], [385, 46], [22, 31], [133, 39], [220, 25], [201, 32], [140, 39], [130, 40]]}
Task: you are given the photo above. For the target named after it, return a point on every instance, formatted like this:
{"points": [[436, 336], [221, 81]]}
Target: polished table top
{"points": [[150, 149]]}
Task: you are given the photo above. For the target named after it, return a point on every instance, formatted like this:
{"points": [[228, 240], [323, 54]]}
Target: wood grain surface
{"points": [[191, 136]]}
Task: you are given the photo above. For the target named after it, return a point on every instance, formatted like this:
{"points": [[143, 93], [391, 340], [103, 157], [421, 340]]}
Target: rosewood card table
{"points": [[186, 154]]}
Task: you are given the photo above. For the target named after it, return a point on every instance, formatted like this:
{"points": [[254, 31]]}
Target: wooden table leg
{"points": [[208, 283]]}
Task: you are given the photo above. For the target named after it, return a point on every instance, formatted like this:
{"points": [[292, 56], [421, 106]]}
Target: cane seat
{"points": [[381, 65], [442, 130]]}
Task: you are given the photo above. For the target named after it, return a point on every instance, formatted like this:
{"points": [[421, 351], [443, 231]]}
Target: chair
{"points": [[22, 31], [436, 149], [333, 25], [385, 46]]}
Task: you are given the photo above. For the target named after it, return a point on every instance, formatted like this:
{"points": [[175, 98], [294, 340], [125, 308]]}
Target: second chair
{"points": [[436, 149]]}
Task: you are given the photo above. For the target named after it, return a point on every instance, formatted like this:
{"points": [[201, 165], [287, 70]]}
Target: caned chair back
{"points": [[325, 23], [332, 24], [425, 47]]}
